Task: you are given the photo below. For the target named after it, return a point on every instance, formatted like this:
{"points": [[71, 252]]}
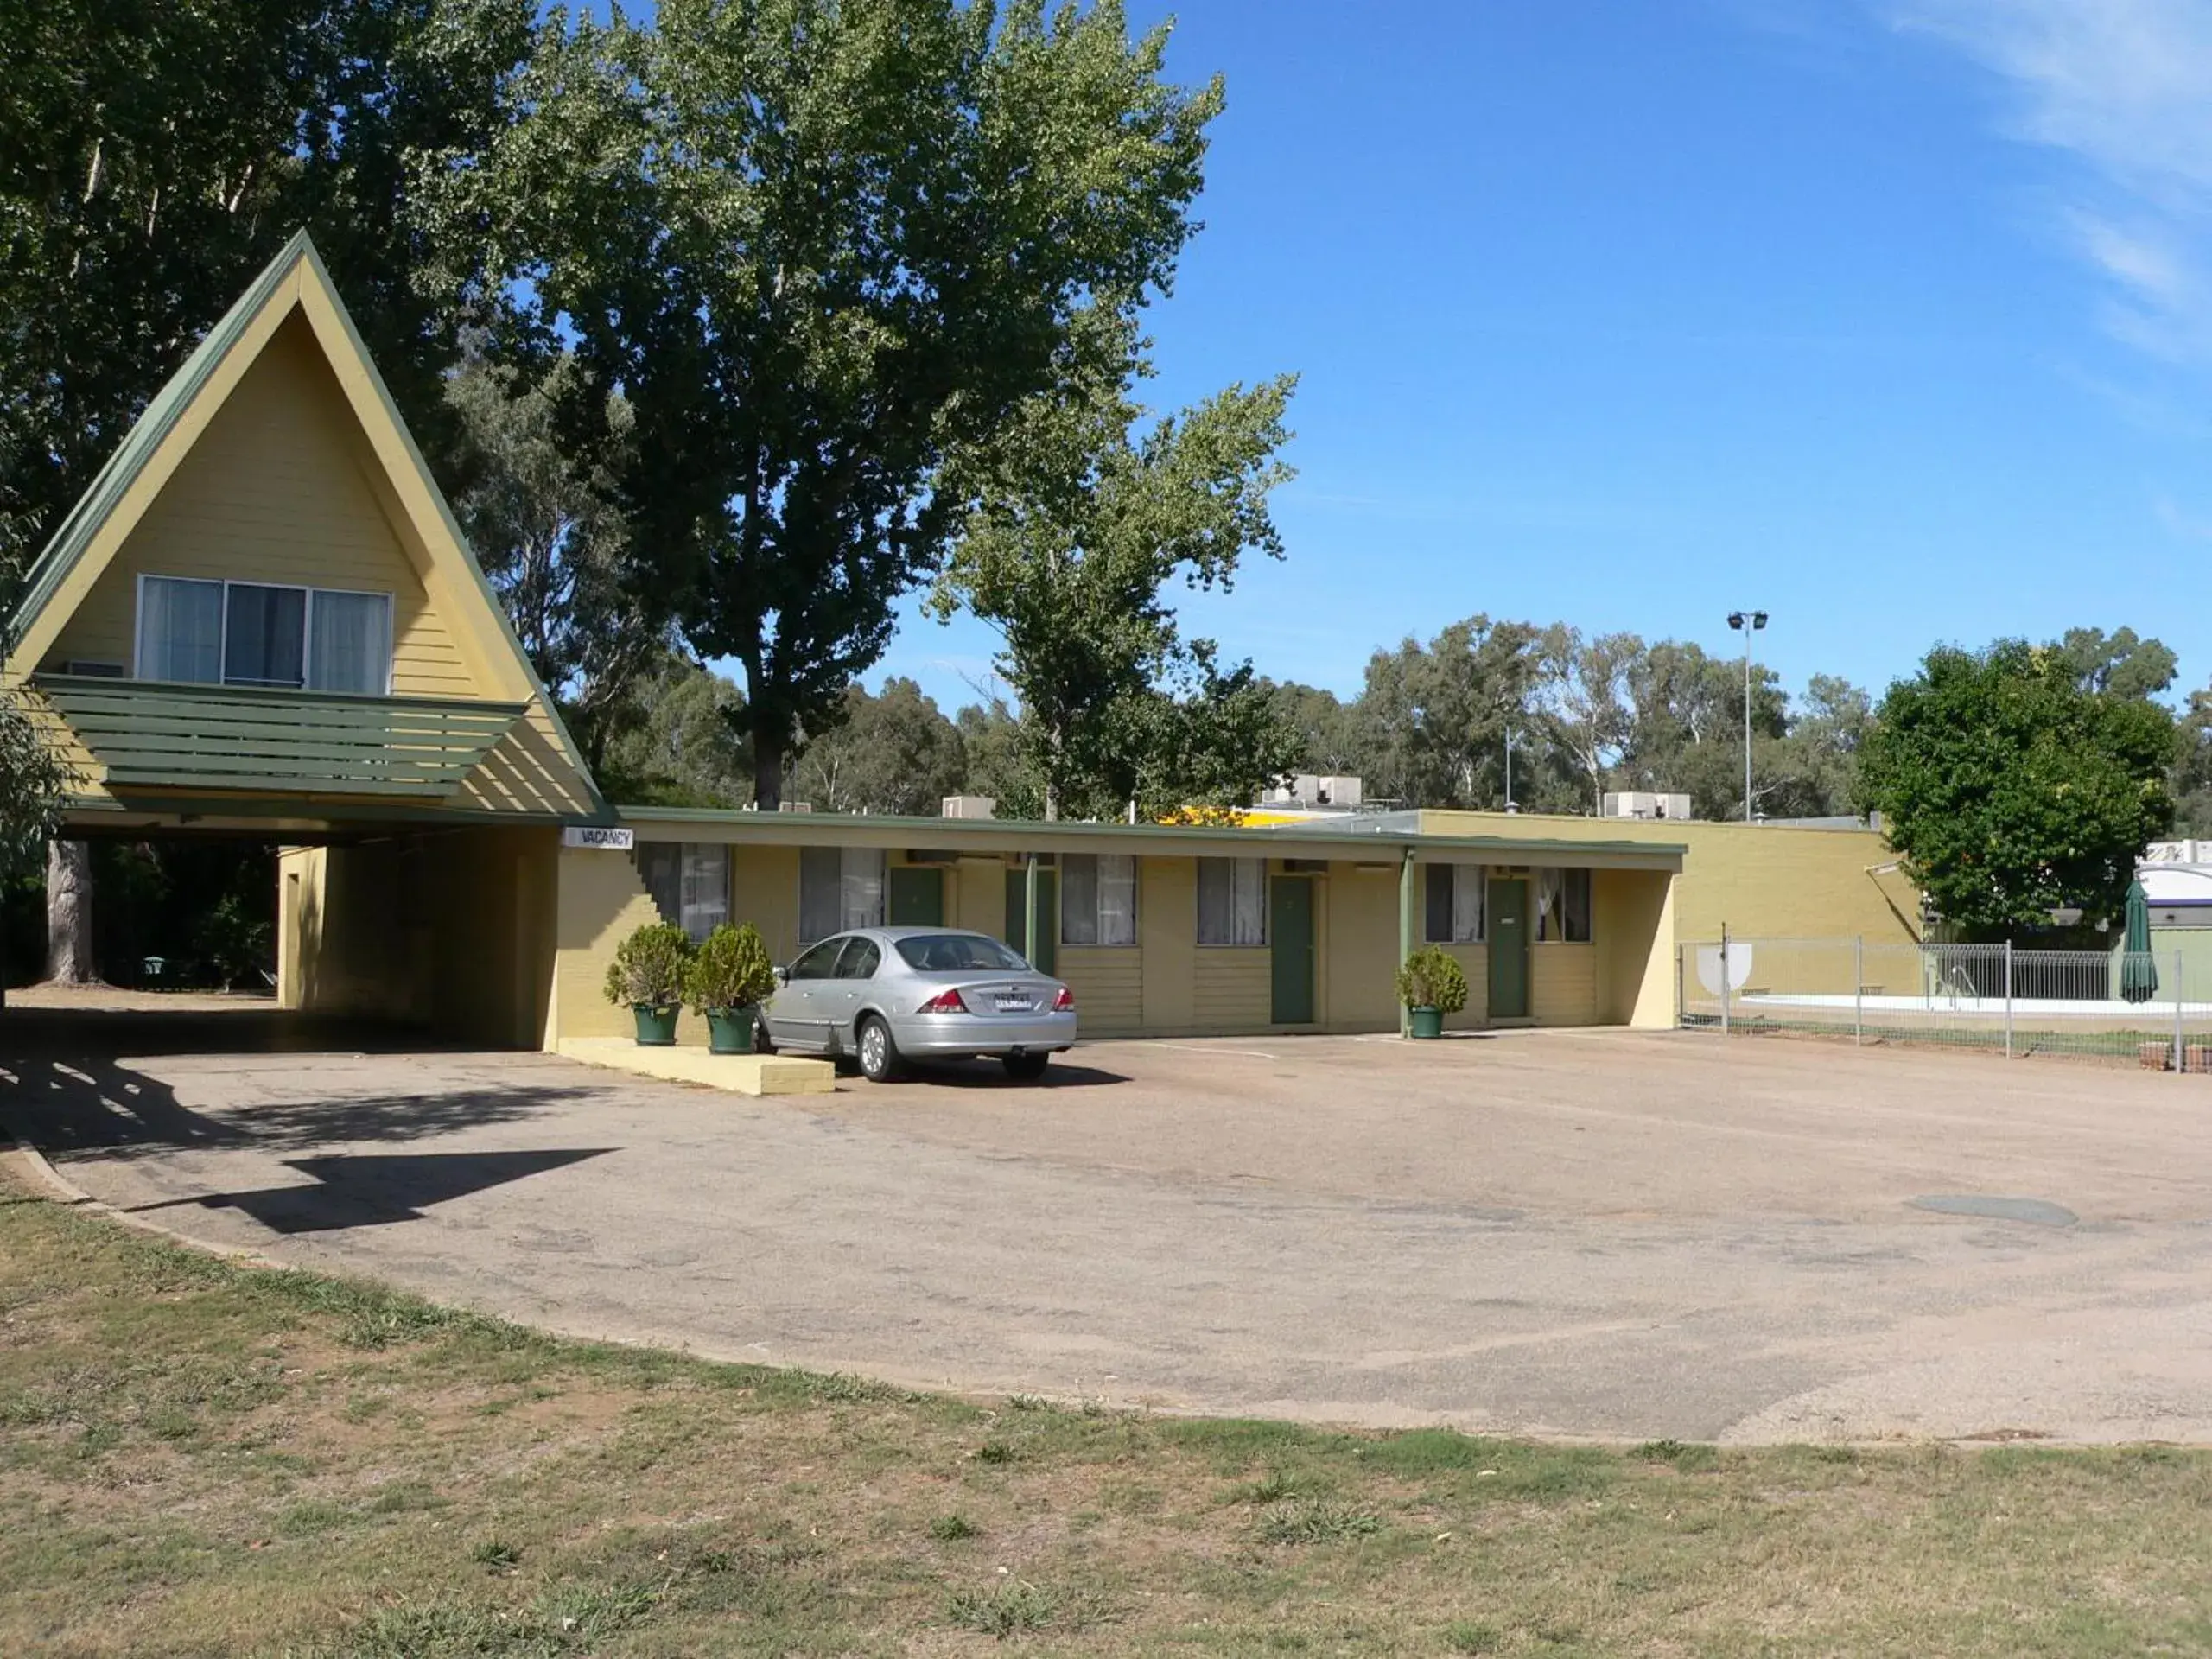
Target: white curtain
{"points": [[861, 887], [1118, 898], [704, 902], [1079, 899], [349, 643], [180, 630], [1232, 902], [1469, 882], [820, 892], [1549, 883]]}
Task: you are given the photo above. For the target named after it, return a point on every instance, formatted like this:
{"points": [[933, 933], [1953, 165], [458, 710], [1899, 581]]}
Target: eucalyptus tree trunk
{"points": [[69, 912]]}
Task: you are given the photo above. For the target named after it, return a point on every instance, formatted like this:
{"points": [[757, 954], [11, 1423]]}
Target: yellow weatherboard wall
{"points": [[274, 491]]}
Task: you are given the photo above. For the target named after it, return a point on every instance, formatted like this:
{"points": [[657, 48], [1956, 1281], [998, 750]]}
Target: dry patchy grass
{"points": [[201, 1458]]}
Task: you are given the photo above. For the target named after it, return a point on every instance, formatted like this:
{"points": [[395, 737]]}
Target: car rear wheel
{"points": [[878, 1055], [1025, 1068]]}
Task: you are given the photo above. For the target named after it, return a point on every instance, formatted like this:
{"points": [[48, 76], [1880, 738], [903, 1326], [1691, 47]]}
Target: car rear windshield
{"points": [[959, 953]]}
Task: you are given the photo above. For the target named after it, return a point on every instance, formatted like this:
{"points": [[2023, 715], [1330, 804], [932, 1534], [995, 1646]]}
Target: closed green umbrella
{"points": [[2139, 975]]}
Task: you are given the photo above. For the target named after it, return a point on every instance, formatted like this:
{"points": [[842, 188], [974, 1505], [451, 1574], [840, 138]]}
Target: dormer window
{"points": [[261, 634]]}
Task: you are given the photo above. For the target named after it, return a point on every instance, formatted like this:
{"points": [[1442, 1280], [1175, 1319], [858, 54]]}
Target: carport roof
{"points": [[986, 837]]}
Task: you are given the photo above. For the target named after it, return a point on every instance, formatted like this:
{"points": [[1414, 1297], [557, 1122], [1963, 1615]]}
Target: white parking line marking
{"points": [[1194, 1048]]}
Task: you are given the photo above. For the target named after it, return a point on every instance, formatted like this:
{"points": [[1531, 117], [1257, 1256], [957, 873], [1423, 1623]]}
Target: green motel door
{"points": [[1044, 959], [1509, 947], [917, 896], [1290, 949]]}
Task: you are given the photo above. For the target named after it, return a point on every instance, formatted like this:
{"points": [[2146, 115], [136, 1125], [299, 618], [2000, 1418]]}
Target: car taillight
{"points": [[1065, 1002], [944, 1002]]}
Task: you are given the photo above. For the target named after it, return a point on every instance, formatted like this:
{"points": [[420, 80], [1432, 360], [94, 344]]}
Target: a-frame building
{"points": [[261, 619]]}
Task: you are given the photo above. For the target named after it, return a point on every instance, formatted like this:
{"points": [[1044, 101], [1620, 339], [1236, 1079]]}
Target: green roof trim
{"points": [[1347, 842]]}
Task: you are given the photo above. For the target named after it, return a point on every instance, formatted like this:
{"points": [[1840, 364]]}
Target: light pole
{"points": [[1510, 736], [1750, 622]]}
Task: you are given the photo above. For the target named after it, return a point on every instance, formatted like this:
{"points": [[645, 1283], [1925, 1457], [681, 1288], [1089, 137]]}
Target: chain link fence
{"points": [[2150, 1009]]}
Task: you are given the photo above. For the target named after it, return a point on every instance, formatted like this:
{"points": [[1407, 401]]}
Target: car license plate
{"points": [[1014, 1004]]}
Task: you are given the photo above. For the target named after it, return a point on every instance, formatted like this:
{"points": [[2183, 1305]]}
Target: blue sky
{"points": [[1892, 317]]}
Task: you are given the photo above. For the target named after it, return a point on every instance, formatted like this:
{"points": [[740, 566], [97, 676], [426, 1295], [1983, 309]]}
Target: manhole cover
{"points": [[1989, 1208]]}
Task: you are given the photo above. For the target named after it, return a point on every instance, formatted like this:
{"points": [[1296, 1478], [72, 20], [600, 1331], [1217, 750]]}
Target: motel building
{"points": [[262, 622]]}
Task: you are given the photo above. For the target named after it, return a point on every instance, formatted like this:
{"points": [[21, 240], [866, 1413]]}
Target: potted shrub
{"points": [[727, 982], [647, 975], [1432, 985]]}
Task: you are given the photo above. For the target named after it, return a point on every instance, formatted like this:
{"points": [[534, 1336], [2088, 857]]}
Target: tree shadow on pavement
{"points": [[100, 1108], [377, 1189]]}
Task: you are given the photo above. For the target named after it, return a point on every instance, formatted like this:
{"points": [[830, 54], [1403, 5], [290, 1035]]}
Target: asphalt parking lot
{"points": [[1599, 1234]]}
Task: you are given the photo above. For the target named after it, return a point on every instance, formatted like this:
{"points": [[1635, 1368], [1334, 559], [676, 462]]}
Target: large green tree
{"points": [[1089, 512], [818, 246], [555, 549], [157, 153], [1437, 715], [2011, 790], [890, 752]]}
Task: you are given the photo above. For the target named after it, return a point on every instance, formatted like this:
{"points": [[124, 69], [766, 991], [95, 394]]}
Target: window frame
{"points": [[1231, 862], [1552, 920], [1097, 911], [1459, 870], [223, 641], [846, 922]]}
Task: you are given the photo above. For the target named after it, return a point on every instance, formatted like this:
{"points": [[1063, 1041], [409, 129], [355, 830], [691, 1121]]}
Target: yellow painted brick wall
{"points": [[1563, 984], [601, 902], [974, 896], [1634, 938], [764, 891], [1167, 928], [1763, 881], [1359, 959], [275, 490]]}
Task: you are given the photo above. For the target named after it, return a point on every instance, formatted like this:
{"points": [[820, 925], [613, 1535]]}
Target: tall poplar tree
{"points": [[818, 247]]}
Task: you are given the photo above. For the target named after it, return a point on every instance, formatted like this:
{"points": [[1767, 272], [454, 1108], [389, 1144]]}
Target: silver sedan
{"points": [[888, 994]]}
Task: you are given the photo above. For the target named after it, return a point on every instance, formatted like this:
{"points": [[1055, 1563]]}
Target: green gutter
{"points": [[790, 828]]}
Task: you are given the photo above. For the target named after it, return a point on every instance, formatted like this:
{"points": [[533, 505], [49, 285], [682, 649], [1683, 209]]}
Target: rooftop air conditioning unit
{"points": [[796, 807], [1644, 803], [967, 806]]}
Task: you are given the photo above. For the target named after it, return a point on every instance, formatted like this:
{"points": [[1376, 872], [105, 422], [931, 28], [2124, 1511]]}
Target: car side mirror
{"points": [[782, 976]]}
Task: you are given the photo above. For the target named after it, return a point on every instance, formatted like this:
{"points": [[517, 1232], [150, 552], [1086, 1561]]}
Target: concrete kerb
{"points": [[66, 1192]]}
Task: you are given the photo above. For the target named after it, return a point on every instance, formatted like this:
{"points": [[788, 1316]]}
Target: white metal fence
{"points": [[2148, 1009]]}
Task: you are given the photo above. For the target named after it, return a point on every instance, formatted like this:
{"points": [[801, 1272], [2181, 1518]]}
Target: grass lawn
{"points": [[197, 1458]]}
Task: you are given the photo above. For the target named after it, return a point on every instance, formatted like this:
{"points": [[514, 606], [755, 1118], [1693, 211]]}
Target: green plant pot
{"points": [[656, 1027], [729, 1031], [1428, 1022]]}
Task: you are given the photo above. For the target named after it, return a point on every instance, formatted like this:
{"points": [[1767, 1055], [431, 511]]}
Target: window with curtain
{"points": [[1454, 903], [1098, 899], [180, 630], [349, 643], [265, 635], [839, 887], [688, 881], [1232, 902], [261, 634], [1563, 906], [704, 893]]}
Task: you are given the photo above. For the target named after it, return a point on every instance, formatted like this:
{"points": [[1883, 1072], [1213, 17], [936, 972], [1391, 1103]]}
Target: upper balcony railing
{"points": [[149, 734]]}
